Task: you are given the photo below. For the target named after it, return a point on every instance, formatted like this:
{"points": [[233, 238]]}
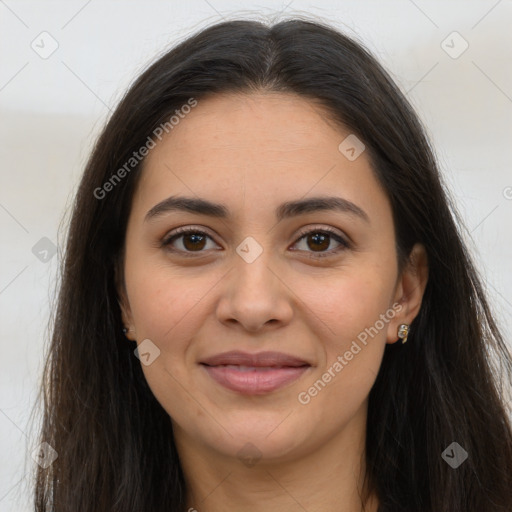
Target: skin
{"points": [[251, 153]]}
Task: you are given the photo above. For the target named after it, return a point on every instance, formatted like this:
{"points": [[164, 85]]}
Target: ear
{"points": [[409, 291], [126, 313]]}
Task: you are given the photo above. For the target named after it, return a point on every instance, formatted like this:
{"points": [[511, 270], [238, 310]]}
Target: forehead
{"points": [[273, 122], [264, 146]]}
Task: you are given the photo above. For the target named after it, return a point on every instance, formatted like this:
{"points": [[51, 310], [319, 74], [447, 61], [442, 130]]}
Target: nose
{"points": [[254, 296]]}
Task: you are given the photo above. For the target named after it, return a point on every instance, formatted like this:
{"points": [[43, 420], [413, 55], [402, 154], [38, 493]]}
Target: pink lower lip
{"points": [[256, 381]]}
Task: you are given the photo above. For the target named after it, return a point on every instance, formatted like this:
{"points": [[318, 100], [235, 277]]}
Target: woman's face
{"points": [[262, 271]]}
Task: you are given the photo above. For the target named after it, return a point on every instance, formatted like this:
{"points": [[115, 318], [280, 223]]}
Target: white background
{"points": [[51, 110]]}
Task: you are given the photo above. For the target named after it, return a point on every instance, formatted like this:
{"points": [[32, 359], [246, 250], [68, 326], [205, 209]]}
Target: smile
{"points": [[254, 374], [254, 380]]}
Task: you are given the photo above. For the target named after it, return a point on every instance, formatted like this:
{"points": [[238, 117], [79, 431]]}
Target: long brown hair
{"points": [[114, 440]]}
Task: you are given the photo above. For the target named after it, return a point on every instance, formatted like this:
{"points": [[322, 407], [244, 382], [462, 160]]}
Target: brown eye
{"points": [[186, 240], [194, 241], [319, 240], [190, 240]]}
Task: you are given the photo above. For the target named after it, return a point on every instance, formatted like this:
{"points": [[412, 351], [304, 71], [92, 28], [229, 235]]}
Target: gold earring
{"points": [[403, 332]]}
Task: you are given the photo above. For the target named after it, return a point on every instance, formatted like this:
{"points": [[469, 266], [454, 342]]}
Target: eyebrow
{"points": [[283, 211]]}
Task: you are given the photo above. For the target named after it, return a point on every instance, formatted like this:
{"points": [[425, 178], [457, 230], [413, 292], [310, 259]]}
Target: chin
{"points": [[255, 438]]}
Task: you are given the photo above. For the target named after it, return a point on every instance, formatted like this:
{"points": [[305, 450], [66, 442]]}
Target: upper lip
{"points": [[260, 359]]}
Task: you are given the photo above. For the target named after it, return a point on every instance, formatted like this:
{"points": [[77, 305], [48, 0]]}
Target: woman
{"points": [[266, 303]]}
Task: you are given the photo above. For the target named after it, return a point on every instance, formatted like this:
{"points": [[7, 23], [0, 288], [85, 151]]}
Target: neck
{"points": [[328, 478]]}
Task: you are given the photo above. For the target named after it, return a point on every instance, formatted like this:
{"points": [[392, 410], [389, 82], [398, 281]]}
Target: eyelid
{"points": [[342, 239], [319, 227], [184, 230]]}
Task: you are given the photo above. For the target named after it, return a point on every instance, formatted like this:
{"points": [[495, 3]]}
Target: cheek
{"points": [[159, 297], [164, 305], [345, 304], [354, 312], [164, 309]]}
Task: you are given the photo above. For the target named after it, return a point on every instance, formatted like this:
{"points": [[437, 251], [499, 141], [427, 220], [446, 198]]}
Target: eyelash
{"points": [[166, 242]]}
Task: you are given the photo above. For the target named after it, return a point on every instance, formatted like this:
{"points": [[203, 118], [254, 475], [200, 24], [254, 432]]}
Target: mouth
{"points": [[254, 374]]}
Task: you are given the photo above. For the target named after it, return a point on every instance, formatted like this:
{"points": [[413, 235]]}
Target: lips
{"points": [[254, 374], [259, 360]]}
